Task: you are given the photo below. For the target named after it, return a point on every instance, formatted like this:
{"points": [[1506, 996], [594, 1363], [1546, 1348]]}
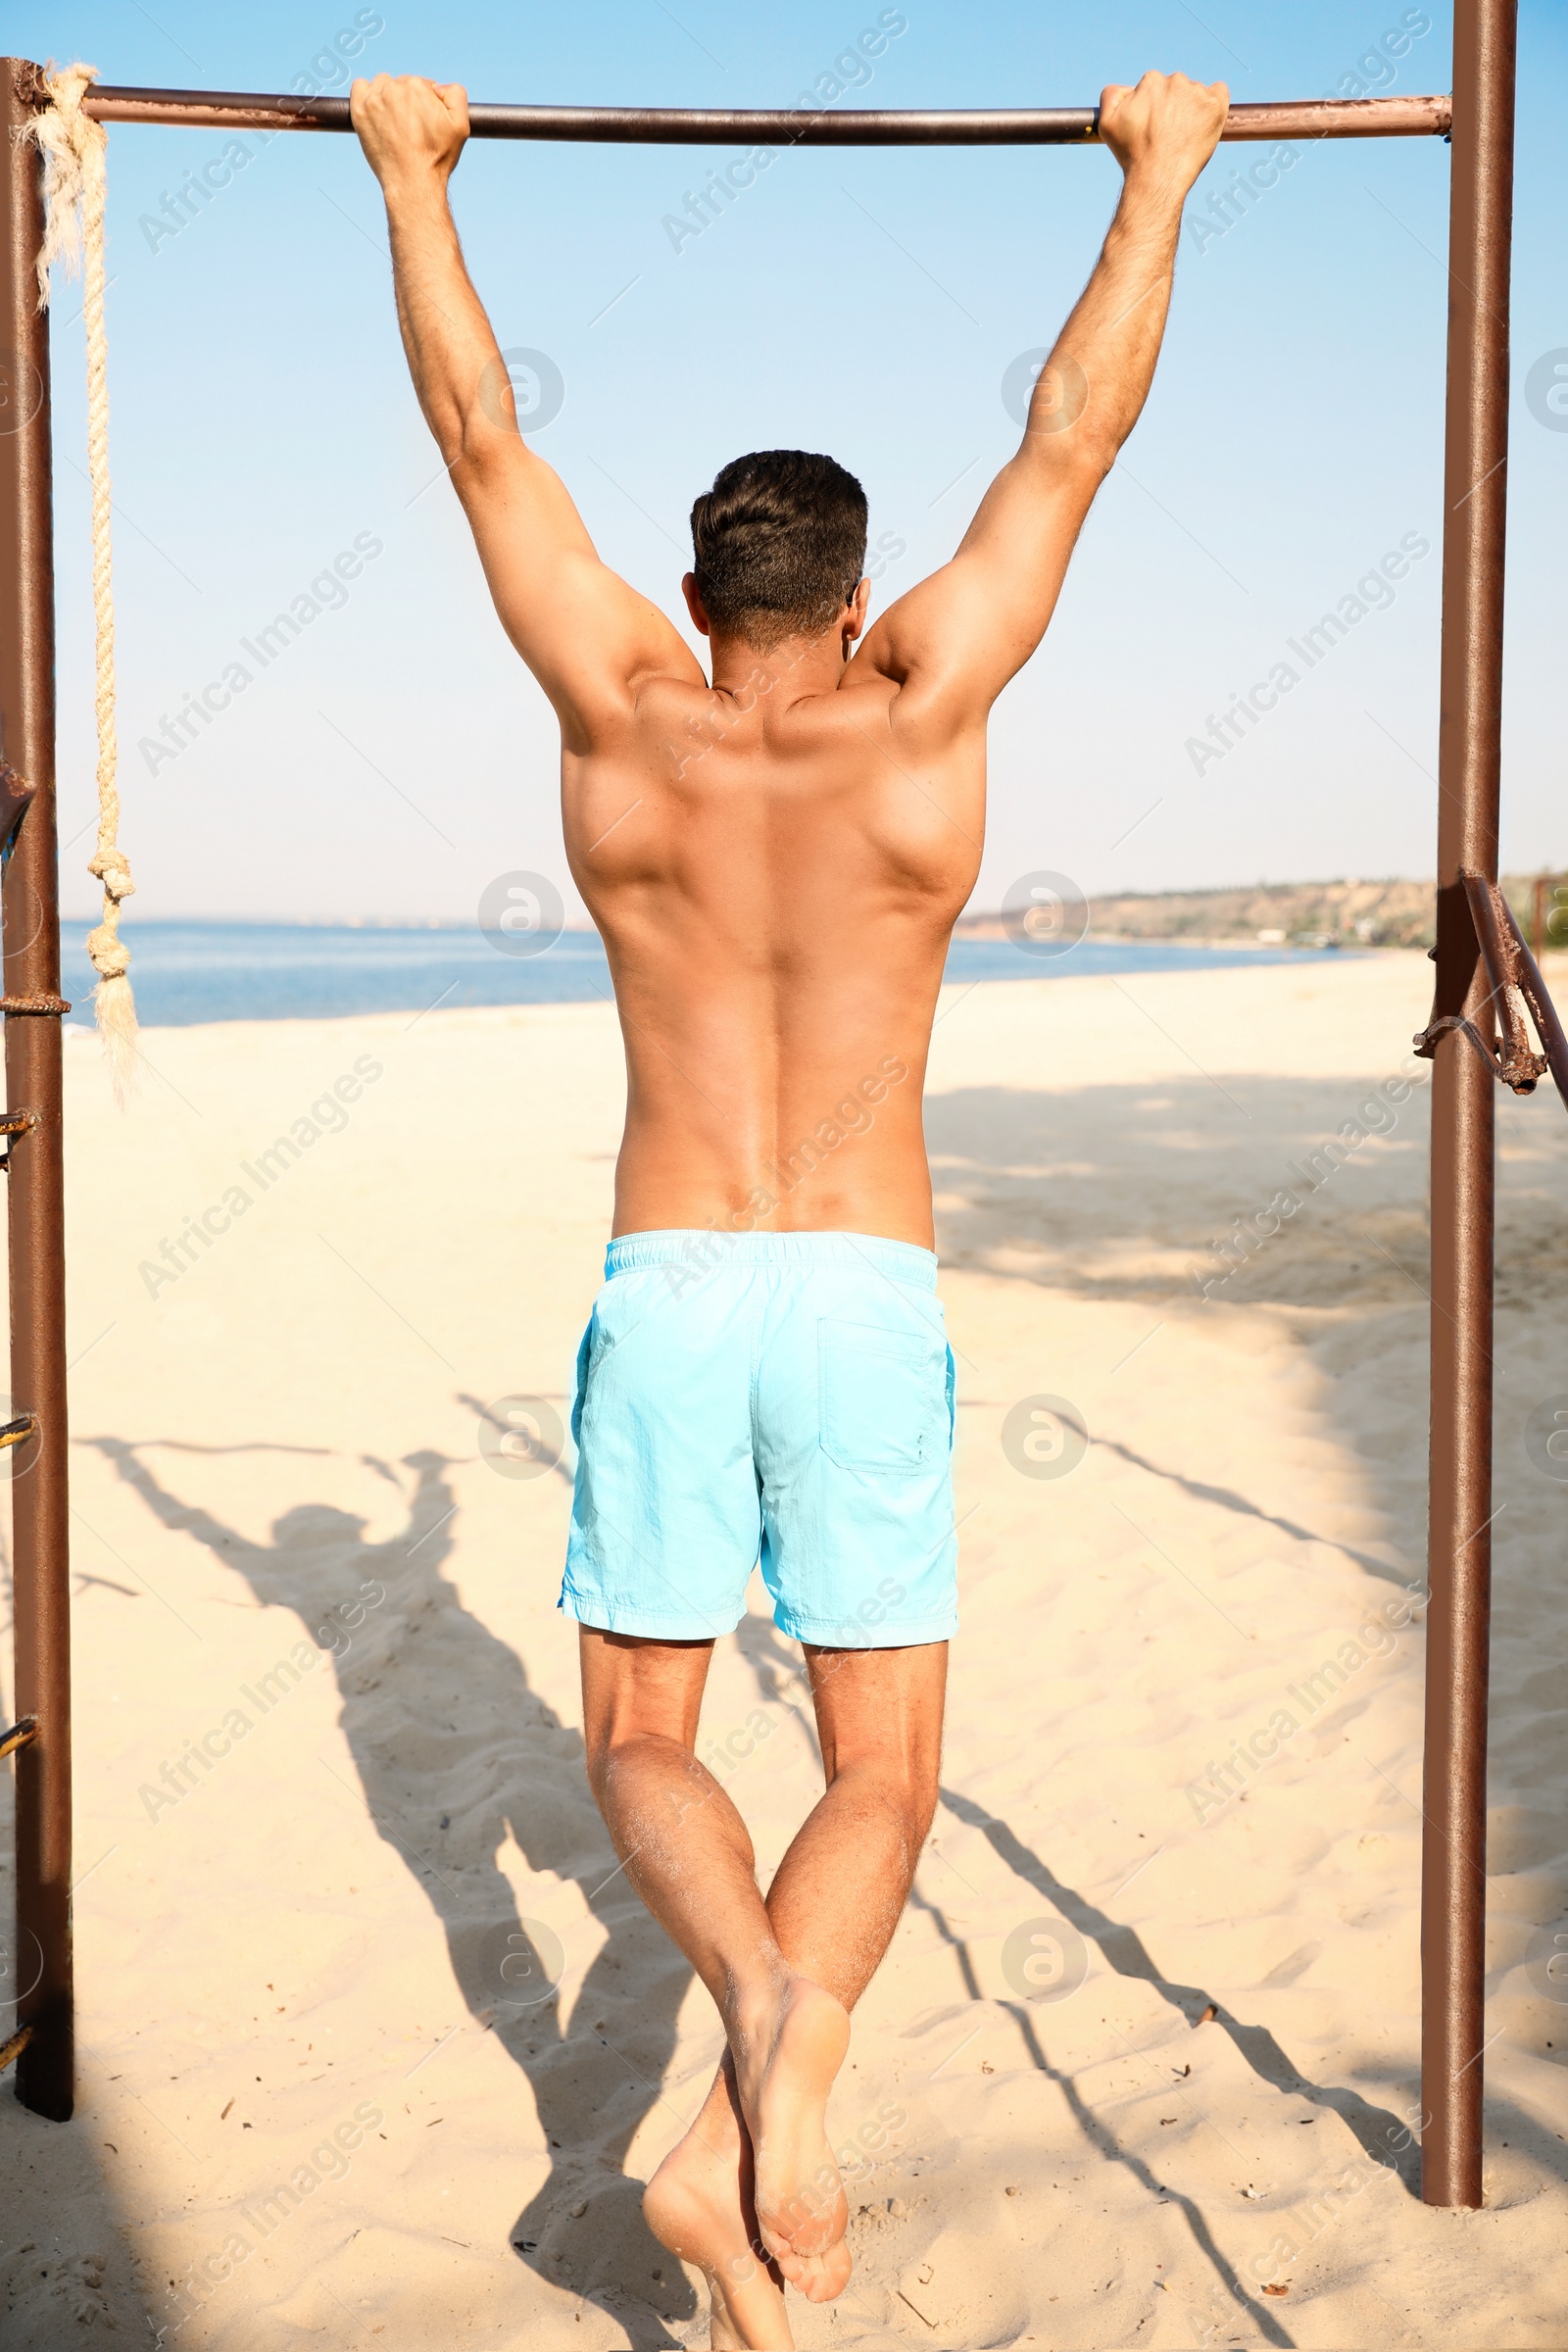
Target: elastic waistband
{"points": [[706, 1251]]}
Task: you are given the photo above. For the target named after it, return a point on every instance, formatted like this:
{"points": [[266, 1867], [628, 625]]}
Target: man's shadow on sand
{"points": [[455, 1753]]}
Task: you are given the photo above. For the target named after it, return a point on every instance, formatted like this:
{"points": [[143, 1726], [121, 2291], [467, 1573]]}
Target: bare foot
{"points": [[785, 2064], [699, 2204], [820, 2277]]}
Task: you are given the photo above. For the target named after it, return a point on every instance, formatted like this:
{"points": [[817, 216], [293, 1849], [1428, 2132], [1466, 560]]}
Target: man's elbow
{"points": [[1070, 467], [483, 459], [479, 446], [468, 431], [1087, 454]]}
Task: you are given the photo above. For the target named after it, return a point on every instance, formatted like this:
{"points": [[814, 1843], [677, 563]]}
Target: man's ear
{"points": [[694, 603], [855, 611]]}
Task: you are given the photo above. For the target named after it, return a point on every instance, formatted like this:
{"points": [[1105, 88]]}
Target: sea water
{"points": [[210, 970]]}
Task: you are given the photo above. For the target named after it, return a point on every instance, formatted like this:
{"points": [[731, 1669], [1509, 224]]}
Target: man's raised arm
{"points": [[582, 631], [955, 641]]}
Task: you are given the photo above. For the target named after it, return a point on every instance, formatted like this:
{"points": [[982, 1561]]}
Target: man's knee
{"points": [[635, 1692], [902, 1782], [613, 1748]]}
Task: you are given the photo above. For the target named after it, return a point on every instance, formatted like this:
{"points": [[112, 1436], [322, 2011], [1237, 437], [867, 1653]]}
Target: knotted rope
{"points": [[74, 152]]}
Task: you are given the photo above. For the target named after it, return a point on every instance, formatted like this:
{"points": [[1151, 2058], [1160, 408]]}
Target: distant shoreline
{"points": [[1268, 916], [993, 927]]}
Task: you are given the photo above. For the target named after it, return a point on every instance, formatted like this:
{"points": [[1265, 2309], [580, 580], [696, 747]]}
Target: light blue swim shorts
{"points": [[787, 1396]]}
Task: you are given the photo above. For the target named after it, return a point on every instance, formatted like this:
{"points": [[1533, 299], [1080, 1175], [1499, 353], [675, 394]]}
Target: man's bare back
{"points": [[775, 860], [776, 864]]}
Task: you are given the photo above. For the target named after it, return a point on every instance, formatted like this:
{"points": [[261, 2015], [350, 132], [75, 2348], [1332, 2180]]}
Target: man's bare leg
{"points": [[830, 1914], [836, 1898], [687, 1852]]}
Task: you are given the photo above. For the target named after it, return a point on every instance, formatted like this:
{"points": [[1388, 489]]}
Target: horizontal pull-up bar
{"points": [[782, 126]]}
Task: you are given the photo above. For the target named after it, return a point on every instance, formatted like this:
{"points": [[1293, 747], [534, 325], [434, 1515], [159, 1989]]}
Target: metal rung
{"points": [[13, 1433], [14, 2046], [20, 1734]]}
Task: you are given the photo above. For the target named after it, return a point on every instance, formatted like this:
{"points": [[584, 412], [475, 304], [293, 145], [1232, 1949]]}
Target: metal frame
{"points": [[32, 1004], [1463, 1151], [1476, 956]]}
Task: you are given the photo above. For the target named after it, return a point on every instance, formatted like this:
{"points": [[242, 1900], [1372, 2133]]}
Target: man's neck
{"points": [[799, 665]]}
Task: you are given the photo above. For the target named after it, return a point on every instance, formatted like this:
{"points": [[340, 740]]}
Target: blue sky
{"points": [[397, 757]]}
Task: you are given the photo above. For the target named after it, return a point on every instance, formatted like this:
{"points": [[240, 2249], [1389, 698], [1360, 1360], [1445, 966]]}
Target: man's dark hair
{"points": [[778, 545]]}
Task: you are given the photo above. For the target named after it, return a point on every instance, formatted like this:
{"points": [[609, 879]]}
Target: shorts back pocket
{"points": [[882, 1396]]}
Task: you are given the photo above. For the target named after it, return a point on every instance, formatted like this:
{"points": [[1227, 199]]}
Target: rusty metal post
{"points": [[1475, 495], [29, 904]]}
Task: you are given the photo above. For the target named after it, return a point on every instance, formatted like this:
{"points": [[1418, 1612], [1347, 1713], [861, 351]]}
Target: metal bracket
{"points": [[1516, 986], [12, 1124], [1426, 1045], [20, 1734]]}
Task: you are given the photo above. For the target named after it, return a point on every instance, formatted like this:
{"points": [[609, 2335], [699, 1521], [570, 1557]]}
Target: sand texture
{"points": [[1147, 2041]]}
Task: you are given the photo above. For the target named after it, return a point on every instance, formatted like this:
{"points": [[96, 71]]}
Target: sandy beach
{"points": [[1146, 2046]]}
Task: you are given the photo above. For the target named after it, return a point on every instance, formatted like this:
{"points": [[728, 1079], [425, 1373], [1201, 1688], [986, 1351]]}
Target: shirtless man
{"points": [[775, 861]]}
